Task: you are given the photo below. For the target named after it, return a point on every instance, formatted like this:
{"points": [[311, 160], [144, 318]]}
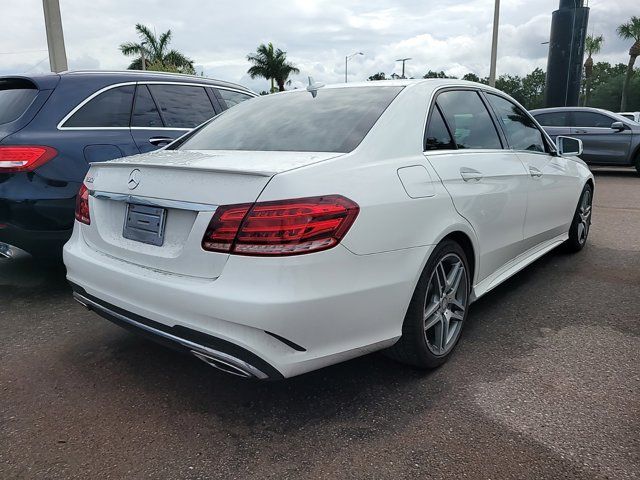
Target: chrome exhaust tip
{"points": [[222, 365], [5, 251]]}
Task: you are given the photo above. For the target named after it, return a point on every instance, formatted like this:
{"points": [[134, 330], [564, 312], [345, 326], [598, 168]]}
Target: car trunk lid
{"points": [[174, 194]]}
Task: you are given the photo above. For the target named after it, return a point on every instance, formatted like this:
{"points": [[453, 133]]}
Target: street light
{"points": [[494, 44], [144, 66], [346, 64], [403, 60]]}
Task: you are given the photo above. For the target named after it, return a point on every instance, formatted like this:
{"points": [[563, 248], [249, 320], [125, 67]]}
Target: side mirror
{"points": [[568, 146], [619, 126]]}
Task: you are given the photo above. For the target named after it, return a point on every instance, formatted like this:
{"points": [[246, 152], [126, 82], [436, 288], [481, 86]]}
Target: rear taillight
{"points": [[24, 158], [82, 206], [283, 227]]}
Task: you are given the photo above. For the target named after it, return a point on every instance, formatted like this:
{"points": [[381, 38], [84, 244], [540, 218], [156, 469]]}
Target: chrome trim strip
{"points": [[153, 202], [197, 348], [61, 126]]}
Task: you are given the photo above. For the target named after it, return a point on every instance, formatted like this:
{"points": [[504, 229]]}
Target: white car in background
{"points": [[302, 229], [635, 116]]}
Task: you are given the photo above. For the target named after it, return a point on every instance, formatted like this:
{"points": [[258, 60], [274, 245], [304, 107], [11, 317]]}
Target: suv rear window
{"points": [[15, 97], [336, 120], [182, 106]]}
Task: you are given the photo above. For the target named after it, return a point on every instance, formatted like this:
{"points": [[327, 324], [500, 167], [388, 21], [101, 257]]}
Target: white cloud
{"points": [[449, 35]]}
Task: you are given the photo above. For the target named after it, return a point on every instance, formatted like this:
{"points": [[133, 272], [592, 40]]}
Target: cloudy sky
{"points": [[449, 35]]}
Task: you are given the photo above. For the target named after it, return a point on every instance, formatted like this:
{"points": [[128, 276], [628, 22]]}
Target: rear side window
{"points": [[182, 106], [518, 127], [468, 120], [15, 97], [233, 98], [336, 120], [591, 119], [555, 119], [111, 108], [437, 136], [145, 112]]}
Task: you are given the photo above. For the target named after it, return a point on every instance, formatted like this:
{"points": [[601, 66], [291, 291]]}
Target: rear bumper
{"points": [[41, 243], [294, 314]]}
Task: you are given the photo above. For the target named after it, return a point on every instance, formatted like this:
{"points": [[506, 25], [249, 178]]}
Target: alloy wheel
{"points": [[584, 216], [445, 304]]}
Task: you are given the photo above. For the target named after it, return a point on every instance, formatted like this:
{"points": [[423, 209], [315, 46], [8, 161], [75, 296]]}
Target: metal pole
{"points": [[55, 37], [346, 60], [494, 45]]}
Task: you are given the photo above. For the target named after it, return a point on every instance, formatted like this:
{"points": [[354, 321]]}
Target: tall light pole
{"points": [[403, 60], [494, 44], [55, 37], [346, 63], [144, 65]]}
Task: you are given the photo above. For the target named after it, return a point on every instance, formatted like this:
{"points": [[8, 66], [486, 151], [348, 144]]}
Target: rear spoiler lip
{"points": [[41, 82], [254, 173]]}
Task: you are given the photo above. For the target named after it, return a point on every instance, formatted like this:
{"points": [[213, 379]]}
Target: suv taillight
{"points": [[24, 158], [82, 206], [283, 227]]}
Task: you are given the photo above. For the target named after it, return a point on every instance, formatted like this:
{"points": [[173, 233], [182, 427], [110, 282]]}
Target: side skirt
{"points": [[514, 266]]}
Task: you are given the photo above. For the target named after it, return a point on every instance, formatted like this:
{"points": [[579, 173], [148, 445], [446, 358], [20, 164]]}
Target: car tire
{"points": [[637, 163], [581, 223], [437, 311]]}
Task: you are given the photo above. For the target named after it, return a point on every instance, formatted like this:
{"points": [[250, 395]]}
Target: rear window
{"points": [[182, 106], [335, 121], [15, 98], [111, 108]]}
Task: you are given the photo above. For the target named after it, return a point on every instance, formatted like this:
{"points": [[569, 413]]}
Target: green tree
{"points": [[155, 50], [472, 77], [593, 45], [533, 89], [271, 64], [432, 74], [630, 31], [377, 76]]}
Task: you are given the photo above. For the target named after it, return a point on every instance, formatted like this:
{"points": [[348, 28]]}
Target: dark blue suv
{"points": [[52, 126]]}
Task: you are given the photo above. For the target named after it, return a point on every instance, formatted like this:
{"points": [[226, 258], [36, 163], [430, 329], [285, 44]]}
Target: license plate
{"points": [[145, 224]]}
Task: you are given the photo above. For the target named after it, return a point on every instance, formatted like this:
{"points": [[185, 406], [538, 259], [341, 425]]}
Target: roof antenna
{"points": [[313, 87]]}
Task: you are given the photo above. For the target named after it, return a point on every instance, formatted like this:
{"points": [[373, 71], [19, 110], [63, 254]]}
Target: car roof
{"points": [[48, 80], [572, 109]]}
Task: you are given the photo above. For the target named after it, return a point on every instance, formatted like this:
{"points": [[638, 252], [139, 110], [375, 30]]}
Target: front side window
{"points": [[591, 119], [182, 106], [336, 120], [554, 119], [111, 108], [518, 127], [233, 98], [437, 136], [468, 120]]}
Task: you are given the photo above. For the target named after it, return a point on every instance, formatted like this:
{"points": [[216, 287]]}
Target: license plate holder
{"points": [[144, 223]]}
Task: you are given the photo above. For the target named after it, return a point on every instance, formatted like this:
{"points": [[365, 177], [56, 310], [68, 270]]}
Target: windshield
{"points": [[335, 121], [15, 98]]}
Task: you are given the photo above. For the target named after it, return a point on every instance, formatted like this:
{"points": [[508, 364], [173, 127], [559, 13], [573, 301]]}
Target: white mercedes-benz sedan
{"points": [[301, 229]]}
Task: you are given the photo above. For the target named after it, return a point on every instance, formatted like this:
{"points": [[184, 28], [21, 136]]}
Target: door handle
{"points": [[159, 141], [470, 174], [581, 131], [534, 172]]}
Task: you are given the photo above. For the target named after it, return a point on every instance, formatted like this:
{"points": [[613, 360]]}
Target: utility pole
{"points": [[403, 60], [494, 44], [55, 37], [346, 63]]}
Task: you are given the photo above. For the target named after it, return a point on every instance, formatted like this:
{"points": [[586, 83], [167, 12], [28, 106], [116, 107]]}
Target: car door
{"points": [[487, 183], [164, 112], [553, 184], [602, 144], [555, 123]]}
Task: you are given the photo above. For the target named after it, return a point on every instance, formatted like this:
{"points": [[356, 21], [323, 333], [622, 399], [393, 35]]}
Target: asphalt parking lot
{"points": [[545, 384]]}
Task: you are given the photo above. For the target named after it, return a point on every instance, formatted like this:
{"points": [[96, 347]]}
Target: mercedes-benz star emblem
{"points": [[134, 179]]}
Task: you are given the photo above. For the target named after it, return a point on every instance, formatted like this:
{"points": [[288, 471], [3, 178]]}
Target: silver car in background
{"points": [[608, 138]]}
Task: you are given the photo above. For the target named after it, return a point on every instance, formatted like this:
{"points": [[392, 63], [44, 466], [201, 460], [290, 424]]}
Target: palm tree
{"points": [[592, 45], [271, 63], [155, 52], [630, 31]]}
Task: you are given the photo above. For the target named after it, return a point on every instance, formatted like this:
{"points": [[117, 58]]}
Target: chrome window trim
{"points": [[61, 123], [153, 202]]}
